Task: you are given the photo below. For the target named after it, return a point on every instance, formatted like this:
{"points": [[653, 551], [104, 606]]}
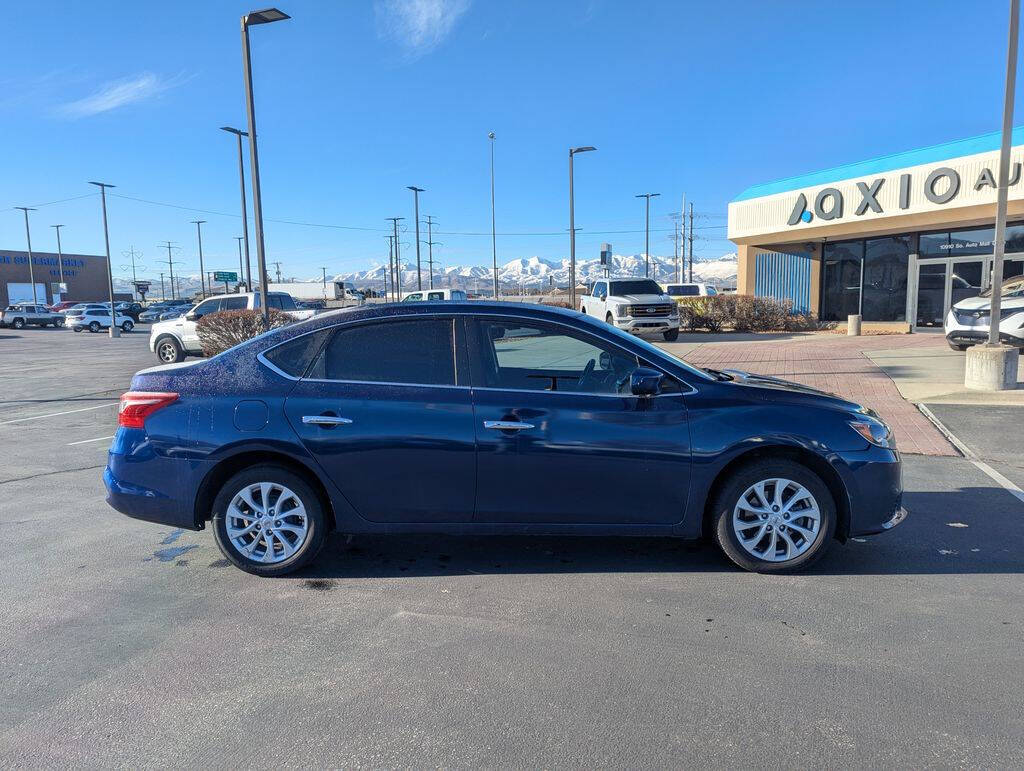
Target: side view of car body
{"points": [[95, 319], [481, 418], [428, 295], [22, 315]]}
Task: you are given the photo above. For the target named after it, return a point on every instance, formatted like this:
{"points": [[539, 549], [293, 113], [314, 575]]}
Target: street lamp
{"points": [[28, 238], [60, 255], [202, 270], [266, 16], [114, 331], [416, 197], [572, 227], [647, 231], [494, 241], [245, 216]]}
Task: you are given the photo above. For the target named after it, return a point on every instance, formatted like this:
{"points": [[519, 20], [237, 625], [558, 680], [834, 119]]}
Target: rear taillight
{"points": [[136, 406]]}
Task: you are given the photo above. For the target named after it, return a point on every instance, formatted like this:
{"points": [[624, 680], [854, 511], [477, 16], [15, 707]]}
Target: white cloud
{"points": [[118, 93], [418, 25]]}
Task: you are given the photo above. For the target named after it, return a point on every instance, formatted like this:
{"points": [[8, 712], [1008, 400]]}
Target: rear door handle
{"points": [[325, 420], [507, 425]]}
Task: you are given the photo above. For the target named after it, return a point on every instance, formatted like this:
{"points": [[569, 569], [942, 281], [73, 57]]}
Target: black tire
{"points": [[316, 520], [18, 323], [77, 329], [94, 326], [58, 323], [958, 347], [757, 471], [127, 327], [670, 335], [169, 350], [609, 320]]}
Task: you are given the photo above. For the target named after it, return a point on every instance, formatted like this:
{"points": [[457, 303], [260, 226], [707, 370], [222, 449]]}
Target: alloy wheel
{"points": [[776, 520], [266, 522], [168, 352]]}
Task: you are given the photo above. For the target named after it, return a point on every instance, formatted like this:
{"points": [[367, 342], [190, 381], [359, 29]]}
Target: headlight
{"points": [[876, 432], [622, 310]]}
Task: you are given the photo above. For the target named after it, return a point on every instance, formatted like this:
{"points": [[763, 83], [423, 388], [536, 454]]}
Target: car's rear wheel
{"points": [[774, 516], [127, 326], [958, 347], [77, 329], [94, 326], [169, 350], [670, 335], [268, 520]]}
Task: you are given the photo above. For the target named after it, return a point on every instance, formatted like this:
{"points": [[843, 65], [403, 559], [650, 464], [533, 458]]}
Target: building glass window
{"points": [[840, 290], [969, 242], [885, 278]]}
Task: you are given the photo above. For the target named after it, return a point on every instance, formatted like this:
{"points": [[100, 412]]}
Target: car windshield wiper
{"points": [[717, 374]]}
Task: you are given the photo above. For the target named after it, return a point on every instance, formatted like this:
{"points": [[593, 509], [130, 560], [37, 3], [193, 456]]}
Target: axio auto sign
{"points": [[939, 186]]}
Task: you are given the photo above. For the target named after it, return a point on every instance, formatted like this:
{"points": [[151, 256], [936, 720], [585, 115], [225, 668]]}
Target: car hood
{"points": [[643, 298], [773, 387], [984, 303]]}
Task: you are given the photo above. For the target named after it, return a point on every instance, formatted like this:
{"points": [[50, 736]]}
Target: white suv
{"points": [[967, 322], [636, 305], [95, 319]]}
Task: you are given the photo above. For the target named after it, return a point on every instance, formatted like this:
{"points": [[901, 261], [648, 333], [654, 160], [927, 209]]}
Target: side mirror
{"points": [[193, 316], [644, 381]]}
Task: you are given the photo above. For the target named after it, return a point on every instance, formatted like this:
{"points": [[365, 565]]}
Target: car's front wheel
{"points": [[169, 350], [94, 326], [18, 323], [670, 335], [127, 326], [268, 520], [774, 516], [958, 347]]}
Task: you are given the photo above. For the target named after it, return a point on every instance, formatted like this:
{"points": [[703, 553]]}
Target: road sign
{"points": [[224, 275]]}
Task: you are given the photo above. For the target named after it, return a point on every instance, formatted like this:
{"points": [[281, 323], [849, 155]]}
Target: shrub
{"points": [[226, 329], [743, 313]]}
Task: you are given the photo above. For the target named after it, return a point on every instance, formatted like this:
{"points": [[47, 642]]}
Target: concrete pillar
{"points": [[745, 269], [991, 368], [853, 325]]}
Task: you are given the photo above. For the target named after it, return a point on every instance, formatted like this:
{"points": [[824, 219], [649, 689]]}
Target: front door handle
{"points": [[507, 425], [325, 420]]}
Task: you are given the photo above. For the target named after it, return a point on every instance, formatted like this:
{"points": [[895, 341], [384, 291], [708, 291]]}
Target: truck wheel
{"points": [[670, 335], [609, 319], [18, 323], [169, 350]]}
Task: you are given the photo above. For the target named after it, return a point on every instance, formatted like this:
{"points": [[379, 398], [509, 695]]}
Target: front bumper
{"points": [[874, 483], [962, 336], [639, 325]]}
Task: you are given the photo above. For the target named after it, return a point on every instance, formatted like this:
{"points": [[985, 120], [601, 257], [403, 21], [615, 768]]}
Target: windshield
{"points": [[1012, 287], [683, 290], [640, 286]]}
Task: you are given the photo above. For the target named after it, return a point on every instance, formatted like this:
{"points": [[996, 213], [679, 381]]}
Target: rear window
{"points": [[295, 356], [418, 352], [640, 286], [687, 290]]}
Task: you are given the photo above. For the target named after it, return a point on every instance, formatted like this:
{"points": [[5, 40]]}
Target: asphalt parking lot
{"points": [[126, 643]]}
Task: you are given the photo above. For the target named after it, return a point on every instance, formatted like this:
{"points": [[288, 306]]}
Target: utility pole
{"points": [[682, 238], [389, 274], [163, 296], [130, 253], [277, 268], [60, 254], [31, 271], [416, 198], [690, 236], [170, 265], [325, 281], [398, 258], [202, 271], [430, 249], [675, 243], [240, 272], [647, 232]]}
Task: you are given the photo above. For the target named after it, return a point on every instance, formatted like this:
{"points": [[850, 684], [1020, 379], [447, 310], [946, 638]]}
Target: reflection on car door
{"points": [[388, 415], [562, 440]]}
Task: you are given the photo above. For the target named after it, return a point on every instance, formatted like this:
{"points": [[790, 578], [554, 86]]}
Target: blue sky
{"points": [[357, 100]]}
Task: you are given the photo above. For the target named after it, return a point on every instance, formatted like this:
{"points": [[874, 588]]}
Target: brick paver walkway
{"points": [[837, 364]]}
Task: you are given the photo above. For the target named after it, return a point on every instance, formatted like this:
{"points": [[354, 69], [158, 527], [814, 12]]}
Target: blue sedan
{"points": [[492, 418]]}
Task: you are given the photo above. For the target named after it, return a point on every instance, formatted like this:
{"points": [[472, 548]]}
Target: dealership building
{"points": [[84, 275], [898, 239]]}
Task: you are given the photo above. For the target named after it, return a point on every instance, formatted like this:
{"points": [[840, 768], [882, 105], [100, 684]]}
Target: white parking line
{"points": [[1002, 481], [55, 414], [86, 441]]}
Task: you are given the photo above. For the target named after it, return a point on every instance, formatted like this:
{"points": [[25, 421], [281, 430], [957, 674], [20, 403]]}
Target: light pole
{"points": [[572, 227], [266, 16], [245, 215], [647, 232], [202, 273], [398, 258], [60, 256], [241, 272], [416, 198], [494, 236], [114, 331], [28, 238]]}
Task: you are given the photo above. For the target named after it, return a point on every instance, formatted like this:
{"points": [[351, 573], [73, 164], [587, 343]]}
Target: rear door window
{"points": [[295, 356], [416, 352], [233, 304]]}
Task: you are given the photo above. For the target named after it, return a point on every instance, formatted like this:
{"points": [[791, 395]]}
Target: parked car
{"points": [[173, 340], [488, 418], [175, 312], [636, 305], [74, 309], [439, 295], [131, 309], [95, 319], [63, 305], [690, 290], [310, 305], [154, 311], [968, 321], [21, 315]]}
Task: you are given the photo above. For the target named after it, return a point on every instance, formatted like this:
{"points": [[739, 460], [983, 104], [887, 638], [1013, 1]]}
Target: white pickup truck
{"points": [[174, 339], [636, 305]]}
